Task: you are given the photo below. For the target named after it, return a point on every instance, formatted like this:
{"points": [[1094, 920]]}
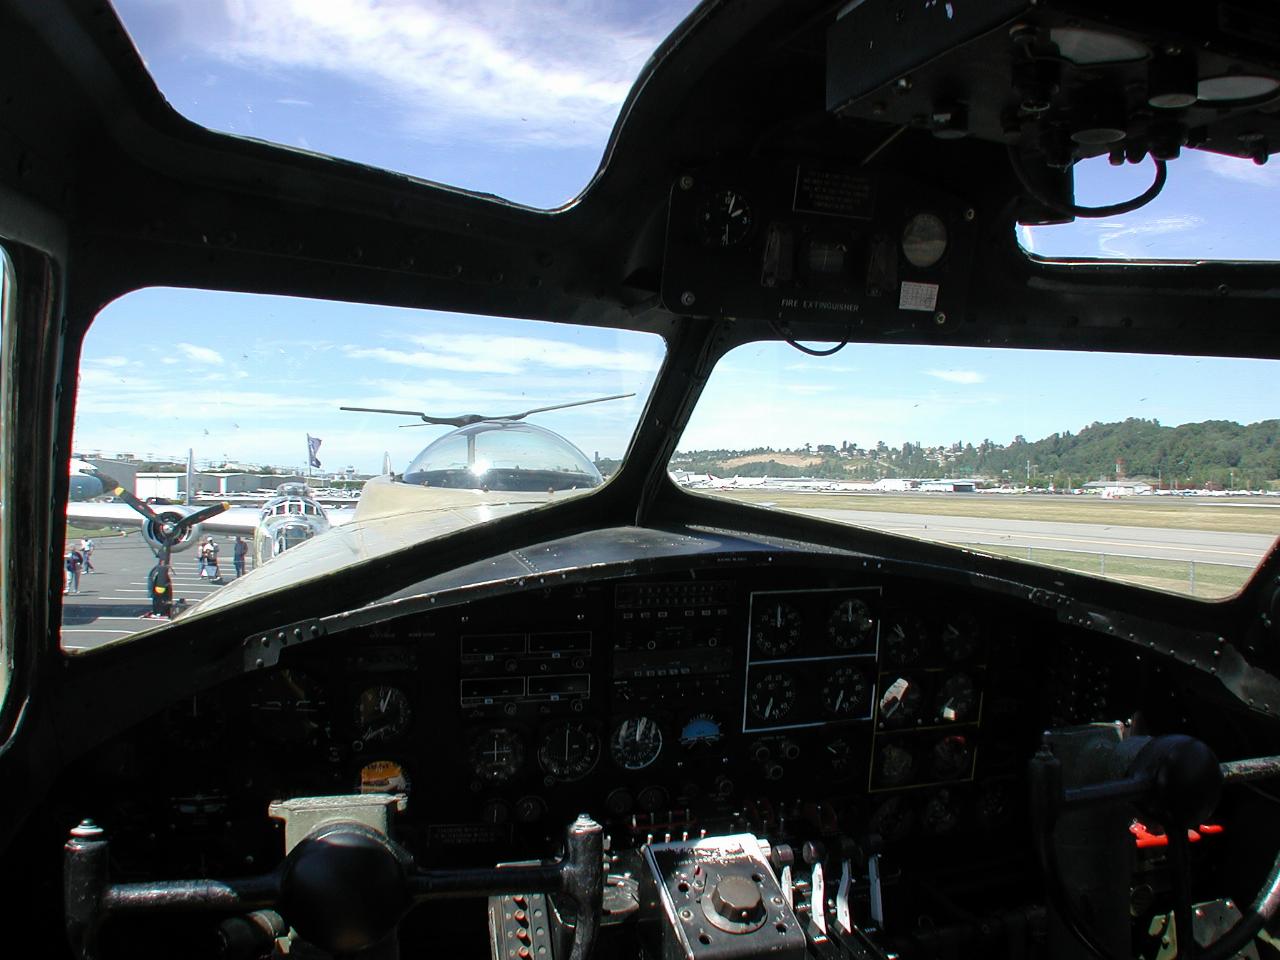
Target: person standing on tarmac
{"points": [[238, 554], [74, 560], [160, 586], [86, 550]]}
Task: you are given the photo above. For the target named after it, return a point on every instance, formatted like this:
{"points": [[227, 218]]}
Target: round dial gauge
{"points": [[569, 750], [900, 702], [952, 757], [772, 696], [924, 240], [839, 757], [845, 694], [851, 624], [894, 765], [497, 755], [960, 636], [702, 729], [636, 743], [382, 713], [893, 819], [384, 776], [725, 219], [905, 639], [957, 700], [941, 813], [775, 629]]}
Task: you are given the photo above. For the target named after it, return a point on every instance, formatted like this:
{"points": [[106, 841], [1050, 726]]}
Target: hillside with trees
{"points": [[1217, 453]]}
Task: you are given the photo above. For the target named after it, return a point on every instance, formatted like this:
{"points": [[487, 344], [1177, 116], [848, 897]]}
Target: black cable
{"points": [[809, 350], [1074, 210]]}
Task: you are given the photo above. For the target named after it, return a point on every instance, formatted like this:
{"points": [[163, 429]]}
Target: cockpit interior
{"points": [[569, 712]]}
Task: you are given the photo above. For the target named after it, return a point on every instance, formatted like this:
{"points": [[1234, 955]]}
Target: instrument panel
{"points": [[756, 699]]}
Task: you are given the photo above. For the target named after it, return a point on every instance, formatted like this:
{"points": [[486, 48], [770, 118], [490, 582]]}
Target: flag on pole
{"points": [[313, 447]]}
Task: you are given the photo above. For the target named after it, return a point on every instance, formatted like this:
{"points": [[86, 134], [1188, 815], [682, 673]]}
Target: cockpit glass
{"points": [[1212, 207], [513, 100], [1161, 471], [227, 398]]}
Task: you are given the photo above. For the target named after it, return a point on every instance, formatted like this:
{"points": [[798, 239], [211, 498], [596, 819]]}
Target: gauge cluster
{"points": [[660, 705], [811, 658]]}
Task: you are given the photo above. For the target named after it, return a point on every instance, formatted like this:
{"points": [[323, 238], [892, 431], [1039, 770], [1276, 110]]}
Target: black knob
{"points": [[344, 888], [738, 899]]}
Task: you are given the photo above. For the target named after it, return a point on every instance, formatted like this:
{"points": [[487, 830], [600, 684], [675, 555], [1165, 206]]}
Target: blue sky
{"points": [[517, 99]]}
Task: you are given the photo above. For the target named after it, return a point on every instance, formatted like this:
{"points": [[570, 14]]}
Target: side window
{"points": [[6, 310]]}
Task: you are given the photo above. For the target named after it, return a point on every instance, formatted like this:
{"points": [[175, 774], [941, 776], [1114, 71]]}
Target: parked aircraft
{"points": [[84, 481]]}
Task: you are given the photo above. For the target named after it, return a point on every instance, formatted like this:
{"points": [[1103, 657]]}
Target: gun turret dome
{"points": [[501, 455]]}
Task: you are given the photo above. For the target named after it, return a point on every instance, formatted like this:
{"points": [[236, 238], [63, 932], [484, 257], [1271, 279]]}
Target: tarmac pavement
{"points": [[114, 597]]}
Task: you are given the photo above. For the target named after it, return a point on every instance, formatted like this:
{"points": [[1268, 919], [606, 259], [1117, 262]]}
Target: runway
{"points": [[113, 598], [1156, 543]]}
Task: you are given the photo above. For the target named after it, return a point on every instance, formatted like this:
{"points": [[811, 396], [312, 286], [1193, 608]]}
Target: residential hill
{"points": [[1215, 452]]}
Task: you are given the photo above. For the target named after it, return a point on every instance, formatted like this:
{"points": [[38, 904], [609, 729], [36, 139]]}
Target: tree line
{"points": [[1214, 453]]}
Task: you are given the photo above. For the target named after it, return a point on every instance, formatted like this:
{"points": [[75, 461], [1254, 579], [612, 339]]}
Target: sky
{"points": [[474, 95]]}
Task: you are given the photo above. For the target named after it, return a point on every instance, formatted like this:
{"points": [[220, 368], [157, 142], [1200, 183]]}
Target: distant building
{"points": [[948, 486], [1117, 488]]}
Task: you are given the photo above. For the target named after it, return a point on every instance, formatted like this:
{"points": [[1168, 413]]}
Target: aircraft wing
{"points": [[243, 520]]}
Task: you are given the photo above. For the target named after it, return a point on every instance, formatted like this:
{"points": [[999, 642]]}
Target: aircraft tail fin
{"points": [[386, 464], [191, 477]]}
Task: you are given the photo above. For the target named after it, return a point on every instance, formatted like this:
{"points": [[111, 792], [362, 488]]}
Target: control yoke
{"points": [[344, 885]]}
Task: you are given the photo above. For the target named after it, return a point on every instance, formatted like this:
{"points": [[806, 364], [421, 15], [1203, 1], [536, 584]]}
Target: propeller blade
{"points": [[462, 421], [467, 419], [562, 406], [191, 519], [141, 506]]}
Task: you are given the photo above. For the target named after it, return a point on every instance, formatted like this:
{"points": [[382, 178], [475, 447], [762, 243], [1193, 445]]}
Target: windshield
{"points": [[192, 400], [1156, 470], [513, 100]]}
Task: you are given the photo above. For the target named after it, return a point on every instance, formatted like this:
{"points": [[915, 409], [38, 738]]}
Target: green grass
{"points": [[1211, 580], [1166, 512]]}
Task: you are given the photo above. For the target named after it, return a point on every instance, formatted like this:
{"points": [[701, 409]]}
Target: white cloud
{"points": [[107, 361], [200, 354], [1244, 171], [1136, 240], [458, 66], [958, 376], [476, 353]]}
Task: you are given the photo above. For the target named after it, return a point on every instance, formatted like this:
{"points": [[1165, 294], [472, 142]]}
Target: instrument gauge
{"points": [[900, 702], [960, 637], [568, 750], [725, 219], [384, 776], [497, 755], [382, 713], [957, 700], [893, 819], [850, 625], [839, 756], [772, 696], [846, 693], [905, 639], [941, 814], [701, 730], [952, 757], [775, 628], [636, 743], [895, 765]]}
